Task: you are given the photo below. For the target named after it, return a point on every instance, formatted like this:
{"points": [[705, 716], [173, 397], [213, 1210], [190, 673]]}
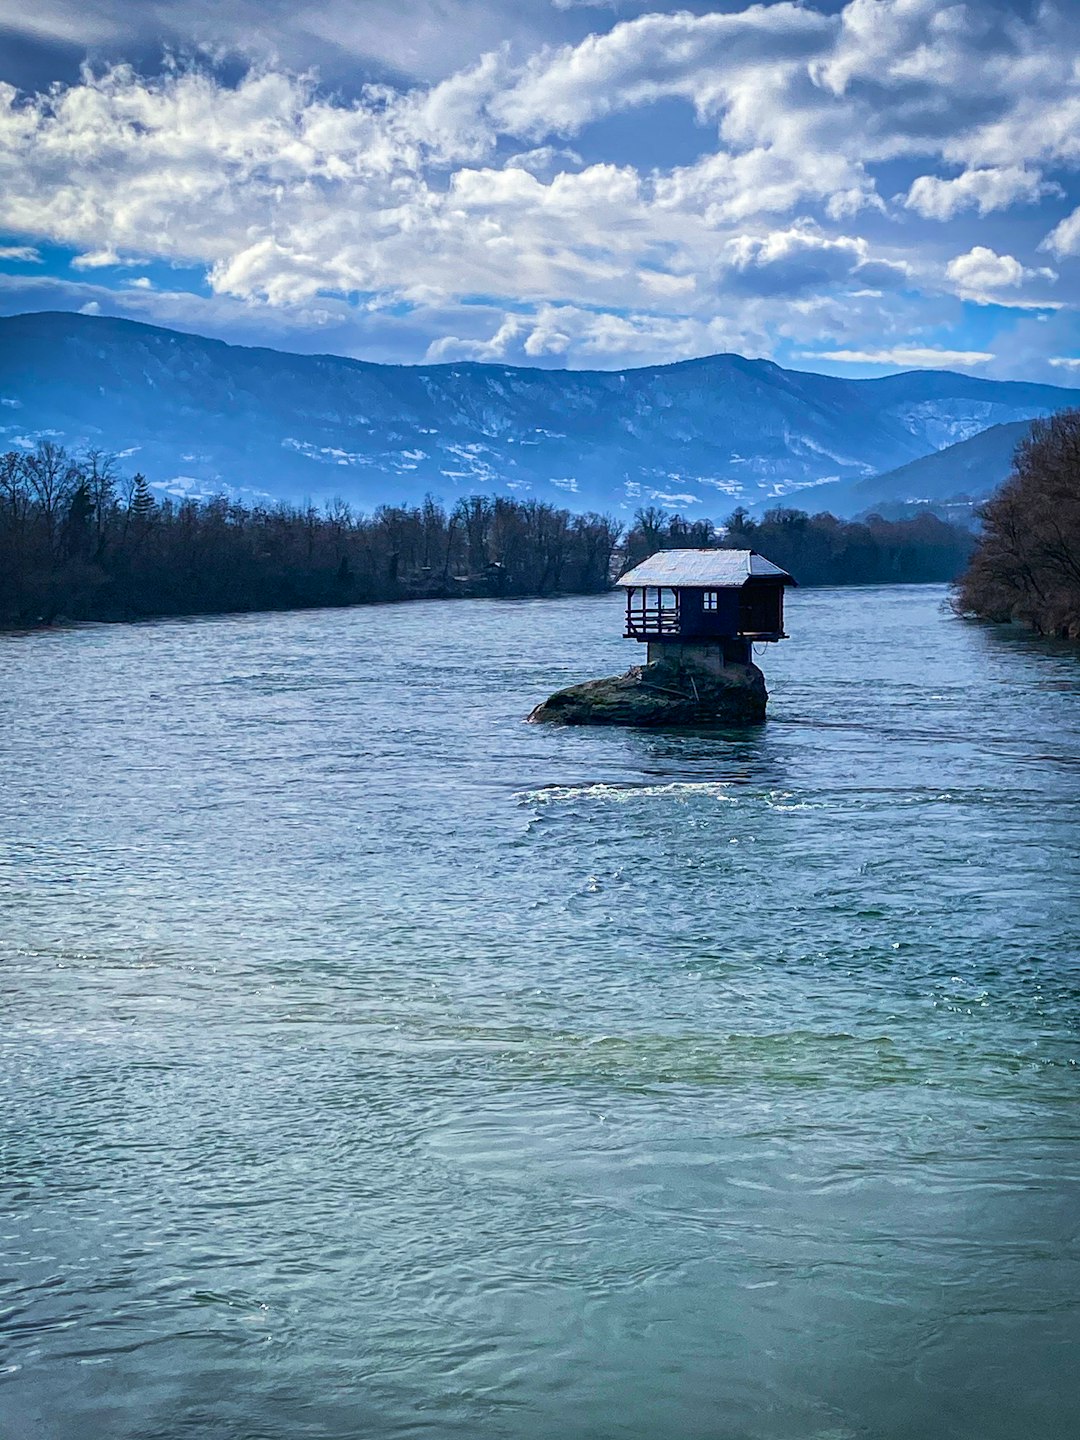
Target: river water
{"points": [[375, 1064]]}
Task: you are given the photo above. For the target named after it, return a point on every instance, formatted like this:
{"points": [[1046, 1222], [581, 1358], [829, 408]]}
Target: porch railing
{"points": [[645, 620]]}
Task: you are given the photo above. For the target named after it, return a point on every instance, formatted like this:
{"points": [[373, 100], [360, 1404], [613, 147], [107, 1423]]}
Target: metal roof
{"points": [[704, 569]]}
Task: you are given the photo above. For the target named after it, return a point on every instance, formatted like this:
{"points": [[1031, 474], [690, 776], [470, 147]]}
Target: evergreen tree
{"points": [[77, 521], [142, 503]]}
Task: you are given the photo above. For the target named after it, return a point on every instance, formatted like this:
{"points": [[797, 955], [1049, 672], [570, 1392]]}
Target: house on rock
{"points": [[698, 612], [705, 607]]}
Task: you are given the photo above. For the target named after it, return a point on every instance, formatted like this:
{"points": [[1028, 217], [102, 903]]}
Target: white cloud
{"points": [[912, 47], [919, 357], [1064, 239], [799, 259], [55, 21], [425, 41], [595, 337], [422, 197], [96, 259], [707, 60], [283, 194], [20, 254], [545, 160], [981, 274], [996, 188], [1065, 362], [725, 187]]}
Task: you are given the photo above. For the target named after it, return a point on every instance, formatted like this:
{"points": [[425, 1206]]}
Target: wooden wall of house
{"points": [[721, 618]]}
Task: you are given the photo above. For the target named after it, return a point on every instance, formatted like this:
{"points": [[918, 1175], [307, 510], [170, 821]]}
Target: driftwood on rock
{"points": [[664, 693]]}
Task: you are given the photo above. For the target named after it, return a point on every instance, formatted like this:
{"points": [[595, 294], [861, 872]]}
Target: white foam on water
{"points": [[555, 794]]}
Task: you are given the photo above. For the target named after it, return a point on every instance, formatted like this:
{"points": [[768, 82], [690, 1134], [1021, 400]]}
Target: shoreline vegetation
{"points": [[79, 542], [1026, 566]]}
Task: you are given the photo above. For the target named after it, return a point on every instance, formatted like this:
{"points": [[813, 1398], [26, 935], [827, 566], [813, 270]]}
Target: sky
{"points": [[851, 188]]}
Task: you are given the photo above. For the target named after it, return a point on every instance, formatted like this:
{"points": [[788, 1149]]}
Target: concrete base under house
{"points": [[710, 655]]}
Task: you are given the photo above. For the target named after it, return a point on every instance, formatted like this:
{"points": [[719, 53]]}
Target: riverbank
{"points": [[77, 542], [439, 594]]}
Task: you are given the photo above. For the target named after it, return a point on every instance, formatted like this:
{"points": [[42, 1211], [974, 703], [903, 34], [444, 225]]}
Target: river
{"points": [[375, 1064]]}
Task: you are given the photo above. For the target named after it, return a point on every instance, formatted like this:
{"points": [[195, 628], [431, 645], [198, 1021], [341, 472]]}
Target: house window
{"points": [[710, 600]]}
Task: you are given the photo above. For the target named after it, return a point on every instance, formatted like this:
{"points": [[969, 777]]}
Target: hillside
{"points": [[971, 469], [703, 435]]}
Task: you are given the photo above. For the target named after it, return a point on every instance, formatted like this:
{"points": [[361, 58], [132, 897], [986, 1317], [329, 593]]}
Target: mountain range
{"points": [[199, 416]]}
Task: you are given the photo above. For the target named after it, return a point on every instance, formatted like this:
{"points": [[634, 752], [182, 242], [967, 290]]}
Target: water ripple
{"points": [[377, 1064]]}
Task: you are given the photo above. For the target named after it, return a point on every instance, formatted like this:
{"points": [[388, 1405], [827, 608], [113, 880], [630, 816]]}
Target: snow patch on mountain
{"points": [[939, 423], [326, 454]]}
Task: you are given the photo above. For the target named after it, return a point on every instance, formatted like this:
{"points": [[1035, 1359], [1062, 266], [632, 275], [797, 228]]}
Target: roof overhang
{"points": [[703, 570]]}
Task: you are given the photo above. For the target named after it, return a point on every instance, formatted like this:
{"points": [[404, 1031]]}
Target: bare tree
{"points": [[1027, 565], [52, 476]]}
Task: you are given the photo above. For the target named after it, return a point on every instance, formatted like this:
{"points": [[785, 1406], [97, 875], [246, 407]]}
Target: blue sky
{"points": [[856, 189]]}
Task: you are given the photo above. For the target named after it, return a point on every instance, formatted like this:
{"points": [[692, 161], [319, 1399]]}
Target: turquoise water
{"points": [[374, 1064]]}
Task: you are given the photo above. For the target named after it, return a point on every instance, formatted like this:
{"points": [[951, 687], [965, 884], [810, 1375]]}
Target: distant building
{"points": [[705, 606]]}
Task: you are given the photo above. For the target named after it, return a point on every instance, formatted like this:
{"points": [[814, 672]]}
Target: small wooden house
{"points": [[706, 606]]}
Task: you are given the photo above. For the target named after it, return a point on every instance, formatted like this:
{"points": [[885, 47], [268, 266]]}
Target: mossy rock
{"points": [[662, 694]]}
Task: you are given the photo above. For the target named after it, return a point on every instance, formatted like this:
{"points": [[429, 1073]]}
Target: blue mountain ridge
{"points": [[969, 471], [199, 416]]}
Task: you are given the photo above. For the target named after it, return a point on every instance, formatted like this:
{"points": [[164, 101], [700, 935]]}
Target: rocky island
{"points": [[662, 693]]}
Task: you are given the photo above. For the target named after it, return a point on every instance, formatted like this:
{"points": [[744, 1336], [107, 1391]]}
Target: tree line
{"points": [[1027, 564], [79, 541], [820, 549]]}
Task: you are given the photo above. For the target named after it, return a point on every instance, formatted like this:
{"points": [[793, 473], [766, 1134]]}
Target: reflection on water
{"points": [[377, 1064]]}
